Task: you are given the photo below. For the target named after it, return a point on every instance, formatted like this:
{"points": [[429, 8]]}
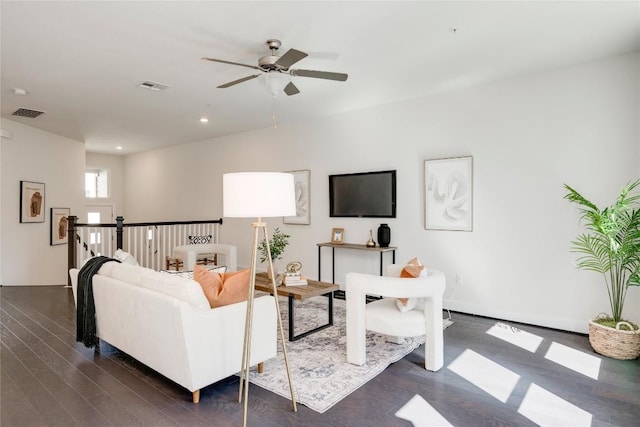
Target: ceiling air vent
{"points": [[153, 85], [25, 112]]}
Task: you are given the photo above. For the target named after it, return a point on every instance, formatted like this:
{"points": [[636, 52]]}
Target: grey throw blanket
{"points": [[86, 309]]}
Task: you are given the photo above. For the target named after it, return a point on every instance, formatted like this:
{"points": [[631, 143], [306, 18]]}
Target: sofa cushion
{"points": [[188, 274], [223, 288], [177, 287], [125, 257], [125, 272]]}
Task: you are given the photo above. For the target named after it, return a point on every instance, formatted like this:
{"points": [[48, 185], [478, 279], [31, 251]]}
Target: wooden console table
{"points": [[333, 247]]}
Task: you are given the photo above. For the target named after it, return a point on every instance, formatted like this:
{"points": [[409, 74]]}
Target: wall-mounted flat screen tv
{"points": [[365, 195]]}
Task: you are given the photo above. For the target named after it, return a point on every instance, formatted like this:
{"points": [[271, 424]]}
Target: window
{"points": [[96, 183]]}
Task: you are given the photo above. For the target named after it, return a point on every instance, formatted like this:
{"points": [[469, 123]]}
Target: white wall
{"points": [[115, 166], [58, 162], [527, 136]]}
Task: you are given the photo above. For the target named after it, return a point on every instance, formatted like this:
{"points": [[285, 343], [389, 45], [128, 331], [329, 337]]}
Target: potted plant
{"points": [[277, 243], [611, 246]]}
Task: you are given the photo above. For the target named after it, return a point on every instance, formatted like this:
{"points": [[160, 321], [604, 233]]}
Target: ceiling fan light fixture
{"points": [[274, 82]]}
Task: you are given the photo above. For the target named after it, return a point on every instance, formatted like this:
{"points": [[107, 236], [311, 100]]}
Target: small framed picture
{"points": [[31, 201], [59, 224], [337, 236]]}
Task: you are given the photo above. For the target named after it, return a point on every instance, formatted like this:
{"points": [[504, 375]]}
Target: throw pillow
{"points": [[412, 269], [199, 240], [223, 288], [125, 257]]}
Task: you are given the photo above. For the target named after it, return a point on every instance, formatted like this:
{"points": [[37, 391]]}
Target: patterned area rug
{"points": [[320, 372]]}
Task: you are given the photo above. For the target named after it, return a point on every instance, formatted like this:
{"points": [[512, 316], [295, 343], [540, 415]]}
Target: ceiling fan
{"points": [[280, 64]]}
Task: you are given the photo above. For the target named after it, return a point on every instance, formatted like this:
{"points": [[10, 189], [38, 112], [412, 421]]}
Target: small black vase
{"points": [[384, 235]]}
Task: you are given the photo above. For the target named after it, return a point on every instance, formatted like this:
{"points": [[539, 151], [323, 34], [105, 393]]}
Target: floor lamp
{"points": [[258, 195]]}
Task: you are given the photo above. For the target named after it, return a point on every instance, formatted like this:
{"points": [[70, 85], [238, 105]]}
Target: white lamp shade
{"points": [[258, 194]]}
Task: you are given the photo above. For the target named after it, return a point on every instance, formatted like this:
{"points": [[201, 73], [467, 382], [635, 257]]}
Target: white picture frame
{"points": [[301, 179], [449, 194]]}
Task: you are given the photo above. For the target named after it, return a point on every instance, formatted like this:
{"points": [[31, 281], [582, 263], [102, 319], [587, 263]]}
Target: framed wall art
{"points": [[59, 224], [301, 180], [32, 200], [449, 194], [337, 236]]}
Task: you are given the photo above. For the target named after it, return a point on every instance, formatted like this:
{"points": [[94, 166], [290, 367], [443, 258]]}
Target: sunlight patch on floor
{"points": [[546, 409], [420, 413], [484, 373], [515, 336], [576, 360]]}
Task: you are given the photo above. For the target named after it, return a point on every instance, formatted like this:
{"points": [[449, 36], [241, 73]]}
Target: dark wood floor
{"points": [[47, 379]]}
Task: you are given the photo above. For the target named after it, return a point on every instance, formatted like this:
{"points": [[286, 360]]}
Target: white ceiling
{"points": [[82, 62]]}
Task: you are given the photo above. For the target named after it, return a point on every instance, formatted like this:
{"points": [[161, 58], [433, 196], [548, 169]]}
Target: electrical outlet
{"points": [[459, 279]]}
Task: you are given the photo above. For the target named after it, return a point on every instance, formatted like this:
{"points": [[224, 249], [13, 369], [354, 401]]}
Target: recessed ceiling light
{"points": [[19, 91], [119, 147], [204, 120]]}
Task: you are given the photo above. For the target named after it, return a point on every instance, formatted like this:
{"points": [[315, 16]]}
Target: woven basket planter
{"points": [[614, 343]]}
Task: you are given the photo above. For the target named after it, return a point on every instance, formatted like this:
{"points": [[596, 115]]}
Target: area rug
{"points": [[320, 372]]}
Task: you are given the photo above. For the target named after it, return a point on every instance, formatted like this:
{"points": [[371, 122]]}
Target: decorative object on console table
{"points": [[449, 194], [32, 201], [384, 235], [337, 236], [59, 225], [301, 180], [250, 195], [371, 243]]}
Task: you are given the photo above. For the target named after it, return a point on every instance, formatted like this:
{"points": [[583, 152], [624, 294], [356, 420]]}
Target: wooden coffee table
{"points": [[312, 289]]}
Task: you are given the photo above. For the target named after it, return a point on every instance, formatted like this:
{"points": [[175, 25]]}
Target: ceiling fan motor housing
{"points": [[268, 63]]}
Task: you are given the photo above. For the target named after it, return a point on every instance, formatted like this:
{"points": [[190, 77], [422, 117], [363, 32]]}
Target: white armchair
{"points": [[189, 254], [383, 316]]}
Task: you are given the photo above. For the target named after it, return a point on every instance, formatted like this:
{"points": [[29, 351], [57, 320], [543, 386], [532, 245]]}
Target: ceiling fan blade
{"points": [[232, 63], [290, 57], [320, 75], [235, 82], [291, 89]]}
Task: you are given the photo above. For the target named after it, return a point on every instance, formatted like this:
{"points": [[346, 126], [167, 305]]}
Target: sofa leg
{"points": [[196, 396], [260, 367]]}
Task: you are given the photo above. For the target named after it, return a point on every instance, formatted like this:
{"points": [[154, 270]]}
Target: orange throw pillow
{"points": [[411, 270], [223, 288]]}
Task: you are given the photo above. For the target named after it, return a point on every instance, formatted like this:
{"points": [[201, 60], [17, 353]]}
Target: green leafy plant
{"points": [[277, 243], [611, 243]]}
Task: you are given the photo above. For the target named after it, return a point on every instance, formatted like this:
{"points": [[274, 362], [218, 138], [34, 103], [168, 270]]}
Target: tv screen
{"points": [[366, 194]]}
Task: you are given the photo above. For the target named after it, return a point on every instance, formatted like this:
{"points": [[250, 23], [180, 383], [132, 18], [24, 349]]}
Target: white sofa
{"points": [[165, 322]]}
